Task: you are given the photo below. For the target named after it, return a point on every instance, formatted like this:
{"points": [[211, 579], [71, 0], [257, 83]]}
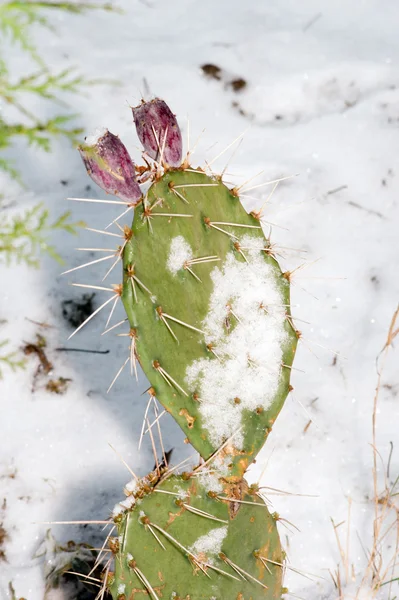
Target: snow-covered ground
{"points": [[321, 101]]}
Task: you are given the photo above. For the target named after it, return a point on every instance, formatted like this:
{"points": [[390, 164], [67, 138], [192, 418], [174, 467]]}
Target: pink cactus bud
{"points": [[154, 120], [109, 165]]}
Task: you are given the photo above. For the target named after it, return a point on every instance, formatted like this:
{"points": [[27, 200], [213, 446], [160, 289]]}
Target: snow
{"points": [[118, 509], [59, 559], [210, 477], [93, 139], [210, 543], [354, 591], [180, 252], [246, 371], [321, 100], [128, 503], [131, 486]]}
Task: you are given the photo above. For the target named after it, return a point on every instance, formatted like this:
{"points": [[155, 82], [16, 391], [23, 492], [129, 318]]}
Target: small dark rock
{"points": [[212, 71], [238, 84]]}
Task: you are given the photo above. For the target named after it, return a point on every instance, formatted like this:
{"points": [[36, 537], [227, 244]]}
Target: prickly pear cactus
{"points": [[209, 314]]}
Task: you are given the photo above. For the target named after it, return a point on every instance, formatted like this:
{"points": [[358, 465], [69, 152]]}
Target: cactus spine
{"points": [[210, 324]]}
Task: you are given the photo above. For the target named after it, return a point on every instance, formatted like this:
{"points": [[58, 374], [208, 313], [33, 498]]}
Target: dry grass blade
{"points": [[379, 570]]}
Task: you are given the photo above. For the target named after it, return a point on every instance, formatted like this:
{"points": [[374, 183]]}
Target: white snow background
{"points": [[322, 100]]}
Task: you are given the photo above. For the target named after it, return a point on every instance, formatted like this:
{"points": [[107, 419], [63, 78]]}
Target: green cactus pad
{"points": [[166, 550], [213, 336]]}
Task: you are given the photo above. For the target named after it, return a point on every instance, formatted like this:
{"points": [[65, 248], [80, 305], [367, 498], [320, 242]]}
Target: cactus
{"points": [[209, 322]]}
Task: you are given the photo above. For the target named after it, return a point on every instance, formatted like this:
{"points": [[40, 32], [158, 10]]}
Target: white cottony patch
{"points": [[121, 588], [211, 543], [245, 326], [179, 253], [92, 140]]}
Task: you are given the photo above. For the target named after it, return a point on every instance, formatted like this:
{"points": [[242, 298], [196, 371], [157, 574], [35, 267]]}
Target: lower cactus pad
{"points": [[195, 537]]}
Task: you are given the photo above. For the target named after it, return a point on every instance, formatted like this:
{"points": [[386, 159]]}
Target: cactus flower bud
{"points": [[154, 120], [109, 165]]}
